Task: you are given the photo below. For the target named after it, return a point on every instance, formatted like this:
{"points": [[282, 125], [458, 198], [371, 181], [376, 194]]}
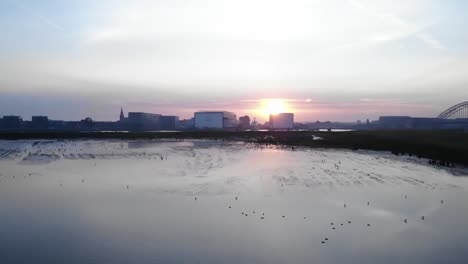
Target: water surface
{"points": [[216, 202]]}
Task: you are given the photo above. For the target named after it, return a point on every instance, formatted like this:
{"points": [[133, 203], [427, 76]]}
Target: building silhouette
{"points": [[282, 121], [40, 122], [215, 120], [244, 122], [122, 117], [454, 118]]}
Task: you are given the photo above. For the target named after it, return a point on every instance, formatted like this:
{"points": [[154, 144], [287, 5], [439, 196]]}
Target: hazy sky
{"points": [[331, 59]]}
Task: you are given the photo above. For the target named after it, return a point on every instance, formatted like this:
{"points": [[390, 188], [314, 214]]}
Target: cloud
{"points": [[430, 41], [399, 28], [43, 19]]}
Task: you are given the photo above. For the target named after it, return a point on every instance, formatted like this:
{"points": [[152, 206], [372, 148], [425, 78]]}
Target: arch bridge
{"points": [[457, 111]]}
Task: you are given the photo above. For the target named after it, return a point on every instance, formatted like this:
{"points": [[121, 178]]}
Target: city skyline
{"points": [[260, 110], [340, 60]]}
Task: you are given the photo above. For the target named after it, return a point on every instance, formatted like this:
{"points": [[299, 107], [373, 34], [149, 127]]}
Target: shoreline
{"points": [[440, 147]]}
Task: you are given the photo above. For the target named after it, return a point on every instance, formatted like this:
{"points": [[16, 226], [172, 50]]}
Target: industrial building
{"points": [[11, 122], [142, 121], [282, 121], [39, 122], [395, 122], [244, 122], [148, 121], [421, 123], [215, 120], [168, 122], [136, 117]]}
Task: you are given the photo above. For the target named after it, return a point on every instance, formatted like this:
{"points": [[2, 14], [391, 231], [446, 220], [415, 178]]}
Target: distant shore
{"points": [[441, 147]]}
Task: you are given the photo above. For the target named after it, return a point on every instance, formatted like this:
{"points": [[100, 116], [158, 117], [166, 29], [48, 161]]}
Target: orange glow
{"points": [[273, 106]]}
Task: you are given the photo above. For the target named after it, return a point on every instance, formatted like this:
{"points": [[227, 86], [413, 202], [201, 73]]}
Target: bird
{"points": [[368, 203], [441, 201], [333, 228], [368, 224], [262, 217], [195, 198], [331, 223], [283, 216], [422, 217], [344, 205], [406, 221], [229, 207], [305, 217], [326, 238], [349, 222], [323, 242], [236, 197]]}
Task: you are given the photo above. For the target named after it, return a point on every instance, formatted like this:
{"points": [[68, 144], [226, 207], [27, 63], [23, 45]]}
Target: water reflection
{"points": [[253, 206]]}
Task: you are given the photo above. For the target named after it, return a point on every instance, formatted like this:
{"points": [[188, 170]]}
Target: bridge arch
{"points": [[457, 111]]}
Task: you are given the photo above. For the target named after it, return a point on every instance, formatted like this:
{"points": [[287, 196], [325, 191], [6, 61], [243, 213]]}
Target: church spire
{"points": [[122, 117]]}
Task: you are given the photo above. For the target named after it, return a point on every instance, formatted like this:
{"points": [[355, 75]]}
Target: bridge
{"points": [[457, 111]]}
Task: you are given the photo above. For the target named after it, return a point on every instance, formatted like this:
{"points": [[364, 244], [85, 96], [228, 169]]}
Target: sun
{"points": [[273, 106]]}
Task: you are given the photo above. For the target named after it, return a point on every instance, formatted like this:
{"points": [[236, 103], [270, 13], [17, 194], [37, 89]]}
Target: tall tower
{"points": [[122, 117]]}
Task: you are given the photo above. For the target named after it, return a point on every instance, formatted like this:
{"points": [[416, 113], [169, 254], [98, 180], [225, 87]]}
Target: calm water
{"points": [[175, 202]]}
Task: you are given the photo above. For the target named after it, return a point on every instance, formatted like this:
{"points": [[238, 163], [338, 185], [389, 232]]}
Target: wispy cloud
{"points": [[45, 20], [401, 28]]}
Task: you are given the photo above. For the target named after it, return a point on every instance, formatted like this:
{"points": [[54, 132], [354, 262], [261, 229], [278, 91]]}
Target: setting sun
{"points": [[273, 106]]}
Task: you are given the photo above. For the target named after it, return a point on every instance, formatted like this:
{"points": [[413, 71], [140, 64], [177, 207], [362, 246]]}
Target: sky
{"points": [[338, 60]]}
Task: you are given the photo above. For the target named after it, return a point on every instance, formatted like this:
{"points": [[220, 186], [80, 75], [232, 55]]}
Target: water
{"points": [[175, 202]]}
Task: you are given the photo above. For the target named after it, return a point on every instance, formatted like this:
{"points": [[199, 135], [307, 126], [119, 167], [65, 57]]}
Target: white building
{"points": [[282, 121], [215, 120]]}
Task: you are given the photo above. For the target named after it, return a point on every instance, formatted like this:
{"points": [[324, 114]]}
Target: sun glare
{"points": [[273, 106]]}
